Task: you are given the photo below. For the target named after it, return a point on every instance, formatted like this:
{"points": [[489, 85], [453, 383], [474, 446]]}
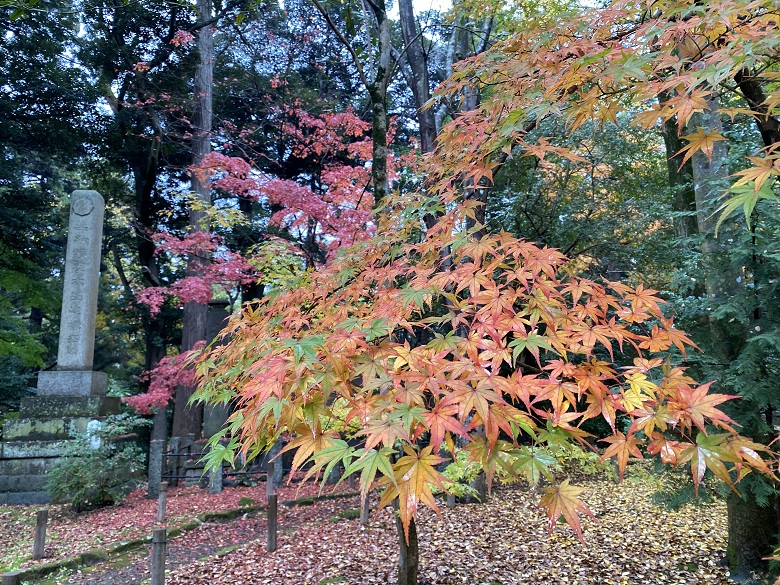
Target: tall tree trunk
{"points": [[377, 90], [188, 418], [680, 180], [709, 177], [752, 528], [145, 168], [415, 56]]}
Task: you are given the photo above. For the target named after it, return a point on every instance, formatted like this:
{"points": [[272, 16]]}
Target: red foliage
{"points": [[171, 371]]}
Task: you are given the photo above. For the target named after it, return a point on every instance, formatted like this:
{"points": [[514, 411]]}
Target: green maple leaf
{"points": [[533, 463]]}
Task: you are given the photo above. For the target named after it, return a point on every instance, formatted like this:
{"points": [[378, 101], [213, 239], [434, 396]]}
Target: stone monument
{"points": [[76, 350], [71, 396]]}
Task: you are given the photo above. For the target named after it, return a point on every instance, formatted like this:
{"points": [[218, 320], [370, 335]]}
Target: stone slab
{"points": [[22, 483], [66, 406], [37, 466], [31, 449], [52, 429], [29, 497], [214, 418], [72, 383]]}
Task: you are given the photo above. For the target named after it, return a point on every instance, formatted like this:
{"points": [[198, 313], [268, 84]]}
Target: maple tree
{"points": [[488, 342], [416, 347]]}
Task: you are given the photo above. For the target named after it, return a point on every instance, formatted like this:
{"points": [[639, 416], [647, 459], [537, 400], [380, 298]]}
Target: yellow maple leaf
{"points": [[561, 500], [701, 140]]}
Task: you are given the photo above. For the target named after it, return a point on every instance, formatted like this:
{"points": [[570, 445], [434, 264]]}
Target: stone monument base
{"points": [[32, 444], [72, 383]]}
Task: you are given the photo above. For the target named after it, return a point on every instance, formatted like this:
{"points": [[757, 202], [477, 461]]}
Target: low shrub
{"points": [[99, 467]]}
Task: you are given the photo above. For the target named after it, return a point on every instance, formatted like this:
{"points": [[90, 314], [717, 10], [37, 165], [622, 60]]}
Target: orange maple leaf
{"points": [[701, 140], [667, 448], [562, 500], [693, 405], [622, 447], [440, 420]]}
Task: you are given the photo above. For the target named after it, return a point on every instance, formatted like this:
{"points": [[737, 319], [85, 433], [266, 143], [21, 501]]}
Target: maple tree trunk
{"points": [[680, 180], [188, 418], [752, 534], [408, 553]]}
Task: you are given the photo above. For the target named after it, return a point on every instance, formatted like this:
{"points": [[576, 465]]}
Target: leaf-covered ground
{"points": [[504, 541], [69, 534]]}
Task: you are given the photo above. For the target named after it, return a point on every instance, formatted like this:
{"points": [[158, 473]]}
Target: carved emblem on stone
{"points": [[82, 206]]}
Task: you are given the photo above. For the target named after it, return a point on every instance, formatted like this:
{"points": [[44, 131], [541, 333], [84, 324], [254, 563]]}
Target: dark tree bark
{"points": [[680, 180], [768, 126], [188, 418], [408, 554], [752, 534]]}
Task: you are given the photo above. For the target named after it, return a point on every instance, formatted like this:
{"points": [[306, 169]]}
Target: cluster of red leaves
{"points": [[337, 212], [162, 380], [220, 268], [182, 38]]}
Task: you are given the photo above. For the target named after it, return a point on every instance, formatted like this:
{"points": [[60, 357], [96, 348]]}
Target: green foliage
{"points": [[461, 473], [610, 212], [576, 462], [99, 468]]}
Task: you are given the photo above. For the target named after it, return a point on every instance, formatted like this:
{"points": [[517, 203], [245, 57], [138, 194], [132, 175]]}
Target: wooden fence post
{"points": [[159, 546], [39, 545], [364, 511], [11, 578], [161, 501], [156, 448], [272, 523], [269, 478], [174, 463]]}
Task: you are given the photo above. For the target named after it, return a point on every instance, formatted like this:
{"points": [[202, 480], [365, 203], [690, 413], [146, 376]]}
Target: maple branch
{"points": [[768, 125]]}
